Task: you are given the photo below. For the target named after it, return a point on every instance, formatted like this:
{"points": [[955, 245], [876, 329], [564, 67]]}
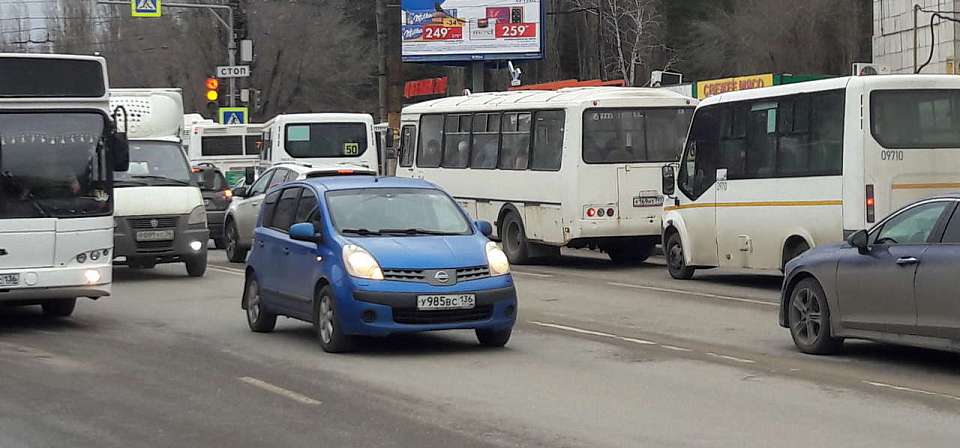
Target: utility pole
{"points": [[382, 58], [228, 24]]}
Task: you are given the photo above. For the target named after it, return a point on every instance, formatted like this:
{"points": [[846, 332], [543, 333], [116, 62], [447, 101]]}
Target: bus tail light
{"points": [[591, 212], [871, 205], [611, 212], [600, 212]]}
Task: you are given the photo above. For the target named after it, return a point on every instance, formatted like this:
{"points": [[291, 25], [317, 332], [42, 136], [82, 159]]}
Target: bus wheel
{"points": [[676, 263], [630, 251], [59, 307], [514, 239]]}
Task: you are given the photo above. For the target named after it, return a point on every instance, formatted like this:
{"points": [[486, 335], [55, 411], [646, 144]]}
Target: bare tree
{"points": [[633, 35]]}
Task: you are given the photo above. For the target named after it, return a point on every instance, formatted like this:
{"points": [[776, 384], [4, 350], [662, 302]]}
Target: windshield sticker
{"points": [[139, 168], [298, 133], [351, 149]]}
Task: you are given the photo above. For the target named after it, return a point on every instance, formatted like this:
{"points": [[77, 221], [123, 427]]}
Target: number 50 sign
{"points": [[516, 30]]}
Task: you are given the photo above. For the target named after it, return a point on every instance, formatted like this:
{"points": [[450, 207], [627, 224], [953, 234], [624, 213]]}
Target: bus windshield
{"points": [[916, 118], [155, 163], [316, 140], [634, 135], [52, 165]]}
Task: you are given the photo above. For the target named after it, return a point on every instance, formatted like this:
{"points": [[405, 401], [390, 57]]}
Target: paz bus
{"points": [[767, 174], [576, 167], [59, 148]]}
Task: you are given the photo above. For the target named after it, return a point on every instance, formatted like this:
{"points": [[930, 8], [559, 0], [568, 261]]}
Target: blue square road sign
{"points": [[234, 115], [145, 8]]}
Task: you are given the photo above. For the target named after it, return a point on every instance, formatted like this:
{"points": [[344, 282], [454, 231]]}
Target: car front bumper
{"points": [[390, 307], [176, 250]]}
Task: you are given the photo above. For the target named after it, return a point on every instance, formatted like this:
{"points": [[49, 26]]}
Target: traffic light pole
{"points": [[228, 24]]}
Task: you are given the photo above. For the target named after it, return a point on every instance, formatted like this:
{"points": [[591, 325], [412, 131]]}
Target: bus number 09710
{"points": [[891, 155]]}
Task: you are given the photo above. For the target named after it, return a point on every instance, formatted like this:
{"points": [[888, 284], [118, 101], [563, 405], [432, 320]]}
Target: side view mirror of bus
{"points": [[669, 179], [249, 175], [120, 147], [860, 240]]}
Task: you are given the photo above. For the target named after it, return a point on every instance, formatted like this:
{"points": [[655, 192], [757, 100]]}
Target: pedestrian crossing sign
{"points": [[234, 115], [145, 8]]}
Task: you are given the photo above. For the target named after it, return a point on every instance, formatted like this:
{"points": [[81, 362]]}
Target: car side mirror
{"points": [[668, 180], [485, 228], [240, 192], [120, 147], [305, 231], [249, 175], [860, 240]]}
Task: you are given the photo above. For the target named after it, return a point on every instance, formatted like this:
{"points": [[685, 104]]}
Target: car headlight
{"points": [[499, 265], [360, 263], [198, 216]]}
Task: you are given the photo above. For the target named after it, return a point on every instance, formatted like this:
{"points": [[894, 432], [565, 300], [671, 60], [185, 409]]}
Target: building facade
{"points": [[898, 29]]}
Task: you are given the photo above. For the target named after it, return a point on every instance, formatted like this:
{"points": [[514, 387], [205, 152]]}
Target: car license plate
{"points": [[446, 302], [9, 279], [647, 201], [155, 235]]}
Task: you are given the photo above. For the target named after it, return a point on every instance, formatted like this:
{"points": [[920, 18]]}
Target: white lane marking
{"points": [[636, 341], [694, 293], [225, 271], [912, 390], [675, 348], [575, 330], [278, 390], [533, 274], [731, 358]]}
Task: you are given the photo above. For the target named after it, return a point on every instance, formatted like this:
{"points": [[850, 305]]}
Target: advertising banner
{"points": [[717, 86], [471, 30]]}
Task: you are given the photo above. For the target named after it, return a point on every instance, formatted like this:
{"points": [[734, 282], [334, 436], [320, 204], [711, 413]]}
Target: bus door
{"points": [[696, 198]]}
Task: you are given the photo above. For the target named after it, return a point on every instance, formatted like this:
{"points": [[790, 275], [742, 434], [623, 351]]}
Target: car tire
{"points": [[197, 266], [59, 307], [493, 338], [676, 261], [808, 316], [326, 321], [631, 251], [235, 253], [220, 243], [514, 239], [259, 320]]}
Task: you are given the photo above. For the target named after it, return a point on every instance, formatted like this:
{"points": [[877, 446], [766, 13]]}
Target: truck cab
{"points": [[159, 216]]}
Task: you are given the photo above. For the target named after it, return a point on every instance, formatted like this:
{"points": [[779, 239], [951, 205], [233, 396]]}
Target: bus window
{"points": [[515, 142], [251, 145], [429, 149], [628, 135], [456, 141], [811, 135], [221, 146], [733, 140], [309, 140], [486, 141], [698, 169], [903, 119], [547, 141], [408, 144], [761, 142]]}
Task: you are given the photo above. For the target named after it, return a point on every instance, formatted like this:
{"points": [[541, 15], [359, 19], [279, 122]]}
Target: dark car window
{"points": [[308, 202], [260, 186], [913, 226], [211, 180], [280, 176], [952, 235], [269, 206], [286, 209]]}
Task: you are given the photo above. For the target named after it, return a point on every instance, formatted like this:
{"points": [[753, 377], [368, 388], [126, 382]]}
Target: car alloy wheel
{"points": [[326, 320], [806, 316], [253, 303]]}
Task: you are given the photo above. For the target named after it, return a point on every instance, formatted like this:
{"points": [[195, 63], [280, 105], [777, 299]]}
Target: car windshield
{"points": [[401, 211], [155, 163], [52, 165], [314, 140]]}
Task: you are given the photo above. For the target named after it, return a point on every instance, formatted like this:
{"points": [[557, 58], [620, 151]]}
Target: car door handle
{"points": [[905, 261], [286, 251], [260, 243]]}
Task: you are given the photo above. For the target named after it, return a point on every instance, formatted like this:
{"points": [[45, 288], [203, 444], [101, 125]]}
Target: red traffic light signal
{"points": [[213, 89]]}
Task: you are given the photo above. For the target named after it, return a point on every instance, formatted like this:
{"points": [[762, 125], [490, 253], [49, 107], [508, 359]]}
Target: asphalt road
{"points": [[603, 356]]}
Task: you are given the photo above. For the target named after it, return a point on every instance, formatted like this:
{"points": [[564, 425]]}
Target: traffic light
{"points": [[213, 89]]}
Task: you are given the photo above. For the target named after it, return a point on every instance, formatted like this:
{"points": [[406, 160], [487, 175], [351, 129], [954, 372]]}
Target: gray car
{"points": [[241, 217], [894, 283]]}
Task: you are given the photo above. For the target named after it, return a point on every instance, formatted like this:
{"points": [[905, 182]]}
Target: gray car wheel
{"points": [[259, 320], [327, 323], [809, 318], [235, 252]]}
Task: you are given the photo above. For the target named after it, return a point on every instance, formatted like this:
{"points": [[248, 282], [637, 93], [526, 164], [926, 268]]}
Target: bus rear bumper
{"points": [[613, 228], [58, 283]]}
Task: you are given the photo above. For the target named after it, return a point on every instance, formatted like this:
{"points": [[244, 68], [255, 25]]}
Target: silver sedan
{"points": [[894, 283]]}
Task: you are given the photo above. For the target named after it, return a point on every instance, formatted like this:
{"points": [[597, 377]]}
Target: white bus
{"points": [[575, 167], [58, 150], [769, 173], [231, 148], [320, 139]]}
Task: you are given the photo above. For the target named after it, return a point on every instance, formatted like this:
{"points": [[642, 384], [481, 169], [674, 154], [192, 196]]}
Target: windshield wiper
{"points": [[163, 178], [362, 232], [129, 182], [416, 231]]}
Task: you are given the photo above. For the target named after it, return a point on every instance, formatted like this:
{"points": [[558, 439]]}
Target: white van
{"points": [[769, 173], [323, 139], [159, 216]]}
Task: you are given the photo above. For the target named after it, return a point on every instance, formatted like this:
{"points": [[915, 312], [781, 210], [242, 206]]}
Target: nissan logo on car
{"points": [[441, 276]]}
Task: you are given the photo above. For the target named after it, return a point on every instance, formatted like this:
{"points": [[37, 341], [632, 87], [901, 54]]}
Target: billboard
{"points": [[471, 30], [717, 86]]}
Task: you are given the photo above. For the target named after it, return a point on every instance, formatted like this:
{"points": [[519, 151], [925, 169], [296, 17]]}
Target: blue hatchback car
{"points": [[375, 256]]}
